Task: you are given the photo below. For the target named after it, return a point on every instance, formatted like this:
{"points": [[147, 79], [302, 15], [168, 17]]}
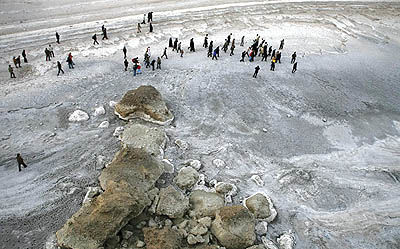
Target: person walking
{"points": [[170, 43], [225, 46], [59, 68], [158, 63], [135, 67], [150, 17], [105, 34], [57, 38], [232, 49], [282, 43], [153, 62], [19, 61], [192, 45], [139, 28], [182, 52], [15, 62], [51, 51], [273, 65], [126, 64], [179, 47], [144, 19], [256, 69], [229, 38], [20, 162], [125, 51], [294, 55], [165, 54], [269, 50], [242, 41], [151, 28], [24, 55], [175, 45], [94, 37], [278, 56], [70, 62], [243, 56], [205, 44], [294, 67], [210, 49], [47, 52], [11, 71], [216, 51]]}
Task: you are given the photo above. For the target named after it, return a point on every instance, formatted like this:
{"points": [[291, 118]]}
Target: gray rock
{"points": [[187, 177], [91, 193], [286, 241], [205, 203], [199, 229], [268, 244], [172, 203], [234, 227], [206, 221], [261, 228], [182, 144], [140, 244], [168, 166], [261, 206], [104, 124]]}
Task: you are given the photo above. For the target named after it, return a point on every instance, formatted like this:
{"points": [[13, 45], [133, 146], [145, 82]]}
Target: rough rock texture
{"points": [[151, 139], [134, 166], [286, 241], [78, 116], [172, 203], [205, 203], [234, 227], [224, 188], [99, 111], [91, 193], [165, 238], [102, 218], [146, 103], [187, 177], [261, 206]]}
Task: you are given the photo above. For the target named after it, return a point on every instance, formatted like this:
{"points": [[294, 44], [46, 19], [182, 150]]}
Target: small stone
{"points": [[168, 166], [264, 130], [126, 234], [219, 163], [187, 177], [223, 187], [206, 221], [99, 111], [182, 144], [118, 131], [288, 115], [286, 241], [112, 103], [168, 223], [78, 116], [104, 124], [262, 228], [183, 224], [324, 120], [152, 223], [257, 179], [196, 164], [268, 244], [200, 229], [140, 244]]}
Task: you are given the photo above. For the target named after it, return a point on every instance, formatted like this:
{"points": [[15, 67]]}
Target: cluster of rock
{"points": [[129, 211]]}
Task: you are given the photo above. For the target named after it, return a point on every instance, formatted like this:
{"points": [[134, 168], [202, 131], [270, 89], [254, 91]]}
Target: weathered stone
{"points": [[146, 103], [205, 203], [286, 241], [165, 238], [78, 116], [126, 234], [102, 218], [151, 139], [104, 124], [112, 242], [172, 203], [140, 244], [187, 177], [183, 145], [118, 131], [134, 166], [268, 244], [257, 179], [261, 228], [196, 164], [91, 193], [199, 229], [261, 206], [168, 166], [234, 227], [99, 111], [206, 221], [219, 163], [223, 187]]}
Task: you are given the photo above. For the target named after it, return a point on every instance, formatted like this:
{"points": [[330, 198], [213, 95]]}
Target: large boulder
{"points": [[187, 177], [172, 203], [103, 217], [146, 103], [261, 206], [134, 166], [234, 227], [205, 203], [166, 238], [151, 139]]}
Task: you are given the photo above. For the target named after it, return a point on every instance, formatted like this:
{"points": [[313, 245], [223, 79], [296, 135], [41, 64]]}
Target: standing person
{"points": [[102, 28], [70, 62], [126, 64], [265, 53], [51, 51], [144, 19], [59, 68], [11, 71], [175, 45], [170, 44], [215, 53], [20, 162], [94, 37], [135, 65], [205, 44], [192, 45], [294, 55], [15, 62], [158, 63], [282, 43], [24, 55], [273, 65], [217, 50], [294, 67], [182, 52], [243, 55], [19, 61], [179, 47], [124, 50], [225, 46], [210, 49], [165, 54], [232, 48], [273, 53], [242, 42], [278, 57], [251, 56], [229, 38], [150, 17], [257, 68], [139, 28], [105, 34], [47, 52], [147, 61], [269, 50], [153, 62], [151, 28], [57, 38]]}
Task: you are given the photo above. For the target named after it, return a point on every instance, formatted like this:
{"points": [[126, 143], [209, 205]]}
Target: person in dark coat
{"points": [[272, 66], [151, 27], [57, 38], [105, 34], [278, 56], [20, 162], [139, 28], [192, 45], [153, 62], [282, 43], [126, 64], [205, 44], [11, 71], [229, 38], [171, 44], [242, 41], [294, 67], [47, 53], [269, 50], [158, 63], [94, 37], [294, 55], [210, 49], [150, 17], [215, 53], [125, 51], [232, 49], [175, 45], [19, 61], [24, 55], [243, 56], [59, 68], [70, 62], [165, 54], [257, 68]]}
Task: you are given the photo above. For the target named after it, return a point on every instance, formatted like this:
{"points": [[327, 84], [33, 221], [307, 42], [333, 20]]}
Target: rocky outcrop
{"points": [[234, 227], [103, 217], [172, 203], [151, 139], [165, 238], [261, 206], [205, 203], [146, 103], [187, 177]]}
